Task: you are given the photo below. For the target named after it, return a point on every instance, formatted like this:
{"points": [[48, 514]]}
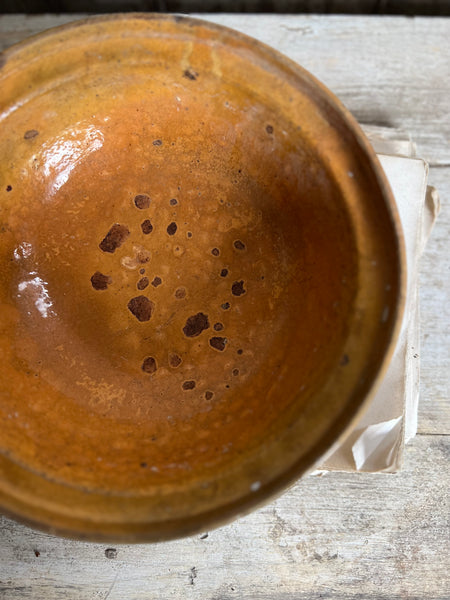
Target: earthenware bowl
{"points": [[201, 276]]}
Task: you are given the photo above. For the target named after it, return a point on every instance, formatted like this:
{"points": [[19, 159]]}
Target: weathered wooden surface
{"points": [[342, 536], [371, 537]]}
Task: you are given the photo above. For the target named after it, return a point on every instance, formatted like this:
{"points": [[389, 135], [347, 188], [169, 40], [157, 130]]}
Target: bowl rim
{"points": [[228, 512]]}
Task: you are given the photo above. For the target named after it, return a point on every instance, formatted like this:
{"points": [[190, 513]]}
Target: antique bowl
{"points": [[201, 276]]}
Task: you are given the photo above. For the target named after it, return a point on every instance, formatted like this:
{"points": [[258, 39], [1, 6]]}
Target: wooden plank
{"points": [[346, 536], [434, 408]]}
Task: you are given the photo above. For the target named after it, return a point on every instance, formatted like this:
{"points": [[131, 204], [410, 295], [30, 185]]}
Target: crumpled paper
{"points": [[376, 445]]}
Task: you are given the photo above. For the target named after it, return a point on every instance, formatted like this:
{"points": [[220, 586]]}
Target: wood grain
{"points": [[345, 536]]}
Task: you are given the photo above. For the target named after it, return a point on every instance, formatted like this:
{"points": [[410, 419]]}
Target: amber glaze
{"points": [[200, 276]]}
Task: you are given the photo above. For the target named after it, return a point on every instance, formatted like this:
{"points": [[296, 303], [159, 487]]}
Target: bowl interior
{"points": [[199, 276]]}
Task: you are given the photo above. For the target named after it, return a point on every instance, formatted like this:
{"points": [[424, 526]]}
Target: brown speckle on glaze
{"points": [[224, 272], [149, 365], [225, 306], [8, 188], [174, 360], [180, 293], [100, 281], [209, 395], [157, 142], [344, 360], [173, 202], [156, 281], [172, 228], [142, 283], [239, 245], [190, 74], [218, 343], [196, 324], [146, 226], [141, 307], [269, 129], [114, 238], [218, 326], [237, 289], [142, 201], [215, 252], [142, 255], [188, 385], [30, 134]]}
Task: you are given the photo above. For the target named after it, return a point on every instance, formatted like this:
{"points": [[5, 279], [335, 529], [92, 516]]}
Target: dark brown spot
{"points": [[209, 395], [141, 271], [174, 360], [235, 372], [190, 74], [240, 351], [30, 134], [114, 238], [143, 256], [269, 129], [37, 553], [142, 201], [146, 226], [225, 306], [157, 142], [173, 202], [8, 188], [218, 343], [100, 281], [180, 293], [188, 385], [196, 324], [111, 553], [141, 307], [218, 326], [224, 272], [344, 360], [215, 251], [156, 281], [239, 245], [143, 465], [149, 365], [172, 228], [237, 289], [142, 283], [189, 234]]}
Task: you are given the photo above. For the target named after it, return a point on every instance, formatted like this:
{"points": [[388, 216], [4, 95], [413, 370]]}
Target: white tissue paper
{"points": [[376, 445]]}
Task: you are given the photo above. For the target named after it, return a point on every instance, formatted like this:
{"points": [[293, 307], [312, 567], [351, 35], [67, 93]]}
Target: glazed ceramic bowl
{"points": [[201, 276]]}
